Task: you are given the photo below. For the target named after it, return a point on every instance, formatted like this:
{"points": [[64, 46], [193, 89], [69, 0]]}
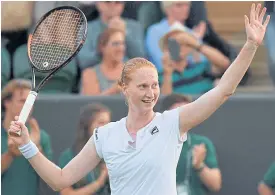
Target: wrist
{"points": [[167, 73], [199, 45], [28, 150], [199, 167], [251, 45]]}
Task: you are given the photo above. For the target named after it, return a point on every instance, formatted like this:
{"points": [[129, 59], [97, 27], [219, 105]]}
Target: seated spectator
{"points": [[270, 38], [198, 172], [91, 117], [192, 73], [176, 11], [110, 17], [17, 174], [193, 16], [267, 186], [102, 78]]}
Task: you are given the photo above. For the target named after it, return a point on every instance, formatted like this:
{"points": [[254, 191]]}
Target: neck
{"points": [[7, 121], [172, 20], [110, 64], [137, 120]]}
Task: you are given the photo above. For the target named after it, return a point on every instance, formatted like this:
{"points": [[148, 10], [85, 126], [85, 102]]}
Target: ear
{"points": [[124, 90]]}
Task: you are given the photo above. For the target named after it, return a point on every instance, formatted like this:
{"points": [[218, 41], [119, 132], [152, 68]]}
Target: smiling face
{"points": [[140, 85], [114, 49], [143, 90]]}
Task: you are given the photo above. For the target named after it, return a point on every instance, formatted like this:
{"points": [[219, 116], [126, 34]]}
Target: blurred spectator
{"points": [[267, 186], [175, 11], [17, 174], [270, 38], [197, 14], [198, 172], [42, 7], [96, 182], [192, 73], [101, 79], [110, 17], [15, 23]]}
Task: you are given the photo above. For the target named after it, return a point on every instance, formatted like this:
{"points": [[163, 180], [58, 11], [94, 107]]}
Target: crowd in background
{"points": [[118, 31]]}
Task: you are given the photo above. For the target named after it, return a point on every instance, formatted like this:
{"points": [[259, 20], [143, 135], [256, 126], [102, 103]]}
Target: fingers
{"points": [[258, 8], [252, 13], [16, 118], [262, 15], [266, 21], [246, 20], [15, 128]]}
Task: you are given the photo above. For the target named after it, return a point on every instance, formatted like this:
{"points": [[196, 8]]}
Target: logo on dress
{"points": [[154, 130], [96, 134]]}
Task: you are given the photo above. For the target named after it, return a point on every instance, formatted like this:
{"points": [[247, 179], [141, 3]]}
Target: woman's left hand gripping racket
{"points": [[56, 39]]}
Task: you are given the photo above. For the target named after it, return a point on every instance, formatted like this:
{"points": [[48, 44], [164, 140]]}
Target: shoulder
{"points": [[169, 114], [105, 131], [89, 73], [156, 27]]}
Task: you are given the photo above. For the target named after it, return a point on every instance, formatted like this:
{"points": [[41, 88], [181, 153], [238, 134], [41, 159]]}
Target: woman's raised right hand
{"points": [[15, 127]]}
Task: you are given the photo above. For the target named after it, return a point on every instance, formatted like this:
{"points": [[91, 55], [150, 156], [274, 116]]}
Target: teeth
{"points": [[147, 101]]}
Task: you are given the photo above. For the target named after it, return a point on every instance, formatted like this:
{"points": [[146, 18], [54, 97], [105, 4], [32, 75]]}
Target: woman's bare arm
{"points": [[76, 169], [90, 85], [194, 113]]}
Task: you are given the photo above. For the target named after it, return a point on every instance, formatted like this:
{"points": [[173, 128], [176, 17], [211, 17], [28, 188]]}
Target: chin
{"points": [[148, 107]]}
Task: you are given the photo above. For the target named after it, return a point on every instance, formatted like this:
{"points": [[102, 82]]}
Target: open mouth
{"points": [[148, 101]]}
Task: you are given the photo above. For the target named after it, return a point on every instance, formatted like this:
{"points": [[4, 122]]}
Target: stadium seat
{"points": [[62, 82], [5, 66]]}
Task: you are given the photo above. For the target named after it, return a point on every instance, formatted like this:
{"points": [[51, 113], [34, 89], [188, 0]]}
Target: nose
{"points": [[150, 93]]}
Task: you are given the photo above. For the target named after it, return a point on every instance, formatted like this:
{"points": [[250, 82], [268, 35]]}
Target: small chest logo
{"points": [[96, 134], [154, 130]]}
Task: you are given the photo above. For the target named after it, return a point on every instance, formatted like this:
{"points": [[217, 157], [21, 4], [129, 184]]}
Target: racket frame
{"points": [[24, 114]]}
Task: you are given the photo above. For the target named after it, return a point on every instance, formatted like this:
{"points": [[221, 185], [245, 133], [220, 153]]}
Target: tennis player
{"points": [[141, 151]]}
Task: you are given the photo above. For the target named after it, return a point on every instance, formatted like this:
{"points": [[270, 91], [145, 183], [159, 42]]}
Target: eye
{"points": [[142, 86], [155, 85]]}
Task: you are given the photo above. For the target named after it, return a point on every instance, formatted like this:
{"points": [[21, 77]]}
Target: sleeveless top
{"points": [[104, 82]]}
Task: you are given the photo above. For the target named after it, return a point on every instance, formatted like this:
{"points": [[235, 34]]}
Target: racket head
{"points": [[57, 38]]}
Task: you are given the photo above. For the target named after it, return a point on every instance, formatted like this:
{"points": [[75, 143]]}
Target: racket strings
{"points": [[56, 38]]}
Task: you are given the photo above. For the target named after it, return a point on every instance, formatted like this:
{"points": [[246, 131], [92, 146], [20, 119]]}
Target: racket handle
{"points": [[24, 114]]}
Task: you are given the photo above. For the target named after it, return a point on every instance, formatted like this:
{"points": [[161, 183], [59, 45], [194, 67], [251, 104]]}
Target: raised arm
{"points": [[54, 176], [195, 113]]}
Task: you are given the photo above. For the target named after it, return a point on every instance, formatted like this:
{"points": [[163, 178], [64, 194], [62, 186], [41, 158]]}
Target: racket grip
{"points": [[24, 114]]}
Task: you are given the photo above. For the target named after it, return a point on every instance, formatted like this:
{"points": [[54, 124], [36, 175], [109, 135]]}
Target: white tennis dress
{"points": [[147, 167]]}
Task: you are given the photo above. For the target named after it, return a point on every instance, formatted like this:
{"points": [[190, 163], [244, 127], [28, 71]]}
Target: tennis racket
{"points": [[55, 40]]}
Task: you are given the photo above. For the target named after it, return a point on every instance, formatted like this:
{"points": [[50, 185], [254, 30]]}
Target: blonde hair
{"points": [[131, 66], [11, 86], [14, 84]]}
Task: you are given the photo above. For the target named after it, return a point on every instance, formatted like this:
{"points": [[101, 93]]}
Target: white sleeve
{"points": [[172, 117], [98, 139]]}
